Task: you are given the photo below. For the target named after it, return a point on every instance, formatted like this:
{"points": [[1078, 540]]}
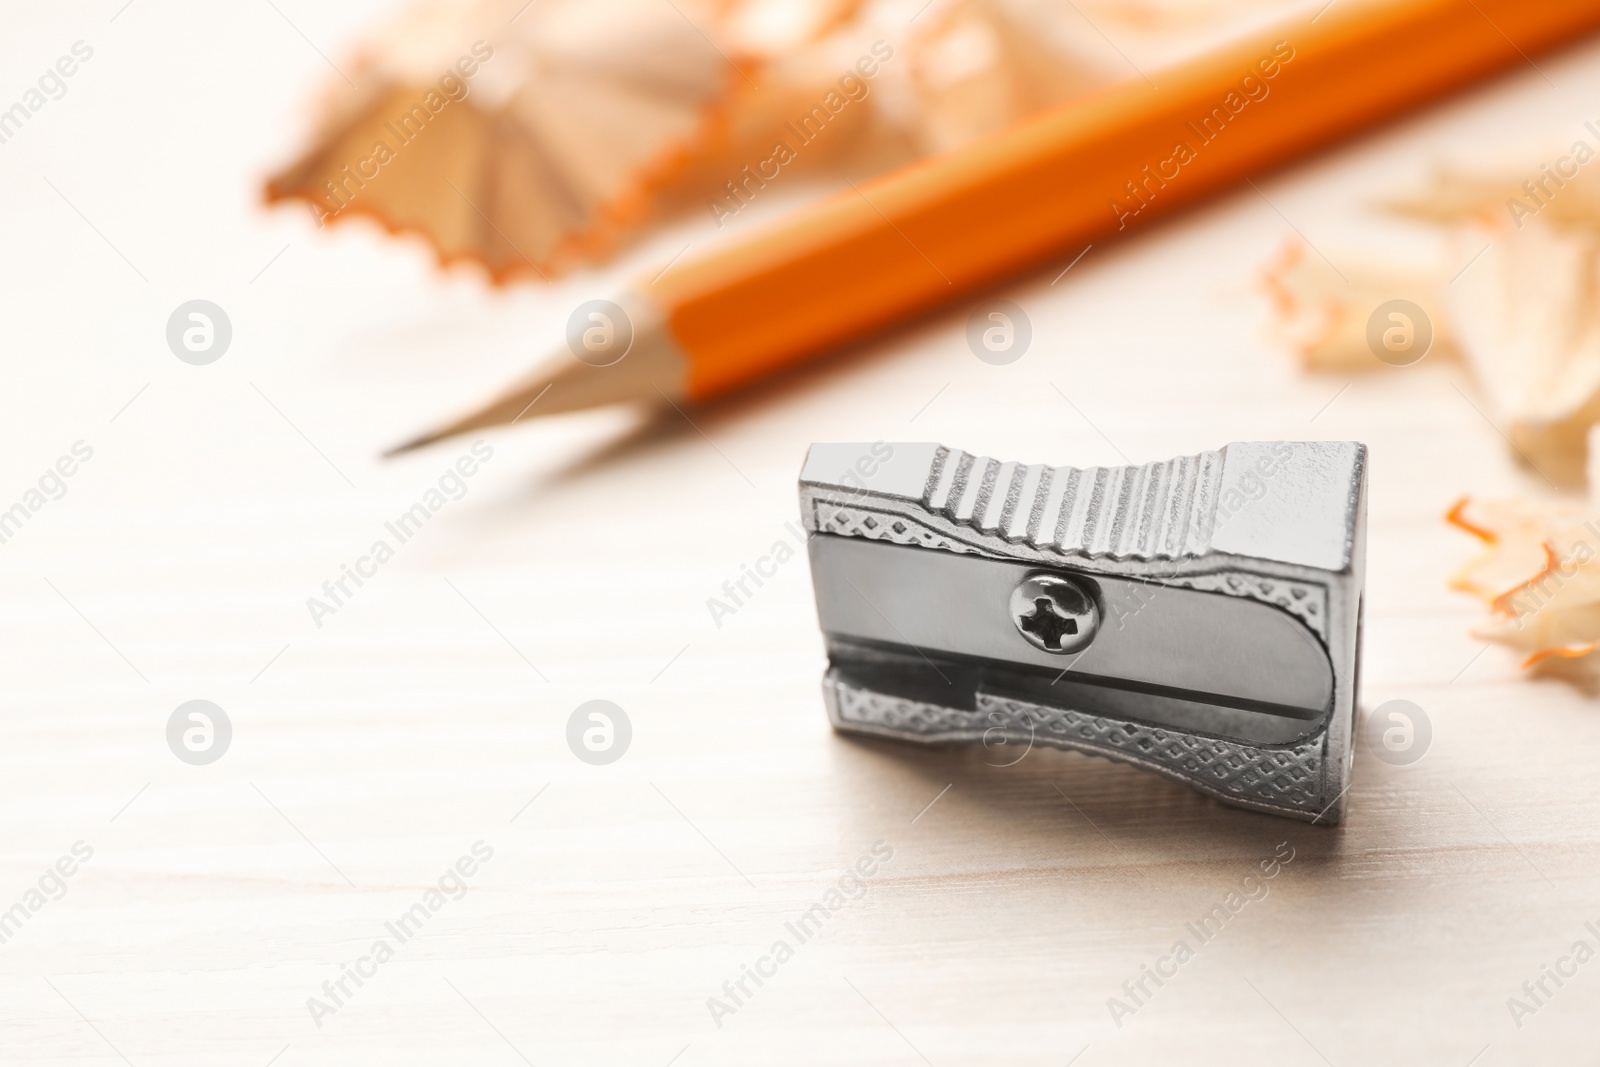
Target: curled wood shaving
{"points": [[1322, 315], [1538, 574]]}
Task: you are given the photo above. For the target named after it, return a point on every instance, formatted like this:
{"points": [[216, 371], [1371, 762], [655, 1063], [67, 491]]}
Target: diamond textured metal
{"points": [[1287, 779]]}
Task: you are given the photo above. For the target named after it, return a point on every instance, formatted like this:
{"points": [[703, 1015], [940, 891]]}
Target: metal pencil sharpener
{"points": [[1199, 617]]}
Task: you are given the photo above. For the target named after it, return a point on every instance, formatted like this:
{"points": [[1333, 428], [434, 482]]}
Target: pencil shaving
{"points": [[1521, 307], [1321, 314], [1528, 322], [525, 140], [1539, 575], [976, 66]]}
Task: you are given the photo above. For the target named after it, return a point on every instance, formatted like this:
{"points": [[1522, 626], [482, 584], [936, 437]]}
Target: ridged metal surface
{"points": [[1161, 510]]}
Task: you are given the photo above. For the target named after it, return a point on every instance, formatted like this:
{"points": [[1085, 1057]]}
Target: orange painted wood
{"points": [[1084, 172]]}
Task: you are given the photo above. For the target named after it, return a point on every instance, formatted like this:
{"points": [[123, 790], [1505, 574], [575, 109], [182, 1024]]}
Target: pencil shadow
{"points": [[659, 427]]}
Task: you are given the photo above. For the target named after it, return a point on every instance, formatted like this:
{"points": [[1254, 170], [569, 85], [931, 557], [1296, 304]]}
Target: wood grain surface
{"points": [[375, 747]]}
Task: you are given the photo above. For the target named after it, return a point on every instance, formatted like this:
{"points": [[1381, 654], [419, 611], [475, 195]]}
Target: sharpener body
{"points": [[1220, 648]]}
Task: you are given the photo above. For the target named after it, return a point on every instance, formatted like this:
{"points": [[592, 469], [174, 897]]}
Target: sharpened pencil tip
{"points": [[655, 367], [411, 445]]}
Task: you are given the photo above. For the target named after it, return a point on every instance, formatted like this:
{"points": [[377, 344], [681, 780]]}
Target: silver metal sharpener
{"points": [[1200, 618]]}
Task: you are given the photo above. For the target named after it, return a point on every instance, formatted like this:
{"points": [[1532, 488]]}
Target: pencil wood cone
{"points": [[644, 365]]}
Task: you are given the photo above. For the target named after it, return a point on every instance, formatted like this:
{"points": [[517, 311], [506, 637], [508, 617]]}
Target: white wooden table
{"points": [[428, 713]]}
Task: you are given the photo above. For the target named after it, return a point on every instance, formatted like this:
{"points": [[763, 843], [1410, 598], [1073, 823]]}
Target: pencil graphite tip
{"points": [[504, 410], [421, 441]]}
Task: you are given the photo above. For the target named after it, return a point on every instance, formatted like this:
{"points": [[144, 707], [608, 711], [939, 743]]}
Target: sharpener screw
{"points": [[1054, 613]]}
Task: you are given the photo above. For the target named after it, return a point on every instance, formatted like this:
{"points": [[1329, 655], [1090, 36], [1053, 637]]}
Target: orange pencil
{"points": [[1086, 171]]}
